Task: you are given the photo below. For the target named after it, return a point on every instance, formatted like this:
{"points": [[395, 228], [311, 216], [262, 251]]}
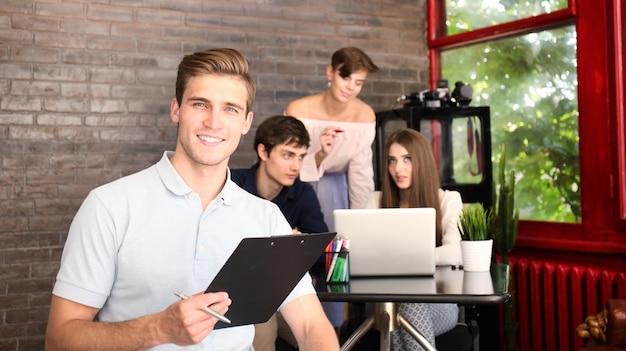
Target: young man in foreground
{"points": [[171, 227]]}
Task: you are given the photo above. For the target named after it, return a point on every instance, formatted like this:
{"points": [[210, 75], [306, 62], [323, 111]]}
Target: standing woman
{"points": [[412, 180], [342, 129]]}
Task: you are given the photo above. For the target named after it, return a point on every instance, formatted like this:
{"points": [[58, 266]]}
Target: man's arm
{"points": [[71, 325], [309, 324], [310, 217]]}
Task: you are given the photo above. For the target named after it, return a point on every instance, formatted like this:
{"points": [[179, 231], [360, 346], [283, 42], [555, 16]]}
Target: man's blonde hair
{"points": [[215, 61]]}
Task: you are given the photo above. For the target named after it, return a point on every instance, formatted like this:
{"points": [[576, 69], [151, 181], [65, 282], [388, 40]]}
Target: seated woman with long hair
{"points": [[412, 180]]}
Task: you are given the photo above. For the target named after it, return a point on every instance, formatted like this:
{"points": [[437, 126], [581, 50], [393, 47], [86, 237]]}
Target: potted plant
{"points": [[506, 215], [505, 232], [475, 225]]}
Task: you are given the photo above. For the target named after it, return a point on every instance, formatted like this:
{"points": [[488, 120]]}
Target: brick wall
{"points": [[85, 88]]}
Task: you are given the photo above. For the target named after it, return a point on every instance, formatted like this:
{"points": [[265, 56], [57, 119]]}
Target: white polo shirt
{"points": [[136, 240]]}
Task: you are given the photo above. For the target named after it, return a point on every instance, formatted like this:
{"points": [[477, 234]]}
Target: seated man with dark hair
{"points": [[281, 142]]}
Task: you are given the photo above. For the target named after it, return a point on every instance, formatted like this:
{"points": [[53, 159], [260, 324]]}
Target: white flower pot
{"points": [[477, 283], [476, 255]]}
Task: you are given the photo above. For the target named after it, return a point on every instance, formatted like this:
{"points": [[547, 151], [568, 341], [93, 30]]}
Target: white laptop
{"points": [[389, 241]]}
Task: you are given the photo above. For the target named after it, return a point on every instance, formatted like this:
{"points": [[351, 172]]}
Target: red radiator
{"points": [[553, 298]]}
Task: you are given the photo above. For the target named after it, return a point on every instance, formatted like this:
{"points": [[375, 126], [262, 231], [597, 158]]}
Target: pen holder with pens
{"points": [[338, 266]]}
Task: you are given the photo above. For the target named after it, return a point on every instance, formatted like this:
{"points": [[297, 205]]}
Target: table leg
{"points": [[386, 319], [415, 333], [358, 333], [384, 324]]}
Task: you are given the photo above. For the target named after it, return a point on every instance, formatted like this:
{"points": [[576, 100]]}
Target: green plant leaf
{"points": [[476, 223]]}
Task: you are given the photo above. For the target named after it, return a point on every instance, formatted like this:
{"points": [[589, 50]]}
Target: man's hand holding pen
{"points": [[187, 322]]}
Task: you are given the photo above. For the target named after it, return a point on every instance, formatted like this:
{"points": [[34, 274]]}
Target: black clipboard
{"points": [[261, 273]]}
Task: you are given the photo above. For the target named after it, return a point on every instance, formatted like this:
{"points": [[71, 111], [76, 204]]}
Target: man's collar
{"points": [[175, 183], [171, 179]]}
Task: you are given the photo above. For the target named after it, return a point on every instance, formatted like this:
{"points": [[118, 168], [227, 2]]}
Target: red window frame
{"points": [[602, 126]]}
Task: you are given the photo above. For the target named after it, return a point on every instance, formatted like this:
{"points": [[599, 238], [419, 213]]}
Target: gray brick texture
{"points": [[85, 90]]}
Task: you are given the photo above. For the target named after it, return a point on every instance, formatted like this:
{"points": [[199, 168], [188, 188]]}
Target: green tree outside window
{"points": [[530, 84]]}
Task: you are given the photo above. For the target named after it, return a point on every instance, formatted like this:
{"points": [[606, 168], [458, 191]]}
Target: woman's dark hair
{"points": [[425, 184], [350, 59]]}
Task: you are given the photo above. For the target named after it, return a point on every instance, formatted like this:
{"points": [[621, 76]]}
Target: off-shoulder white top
{"points": [[351, 154]]}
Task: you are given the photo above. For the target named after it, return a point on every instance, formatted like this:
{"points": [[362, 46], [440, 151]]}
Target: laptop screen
{"points": [[389, 241]]}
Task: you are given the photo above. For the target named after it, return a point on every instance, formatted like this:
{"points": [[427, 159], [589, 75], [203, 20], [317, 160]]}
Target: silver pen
{"points": [[222, 318]]}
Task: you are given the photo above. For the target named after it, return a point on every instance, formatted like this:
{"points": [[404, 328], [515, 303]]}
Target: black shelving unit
{"points": [[448, 121]]}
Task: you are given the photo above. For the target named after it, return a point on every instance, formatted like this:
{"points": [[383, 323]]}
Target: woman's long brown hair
{"points": [[424, 190]]}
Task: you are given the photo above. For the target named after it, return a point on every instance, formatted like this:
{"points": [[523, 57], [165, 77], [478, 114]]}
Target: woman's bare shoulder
{"points": [[301, 107], [364, 113]]}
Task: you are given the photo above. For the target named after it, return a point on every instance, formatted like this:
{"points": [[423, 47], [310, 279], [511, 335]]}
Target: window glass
{"points": [[467, 15], [466, 145], [530, 84]]}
